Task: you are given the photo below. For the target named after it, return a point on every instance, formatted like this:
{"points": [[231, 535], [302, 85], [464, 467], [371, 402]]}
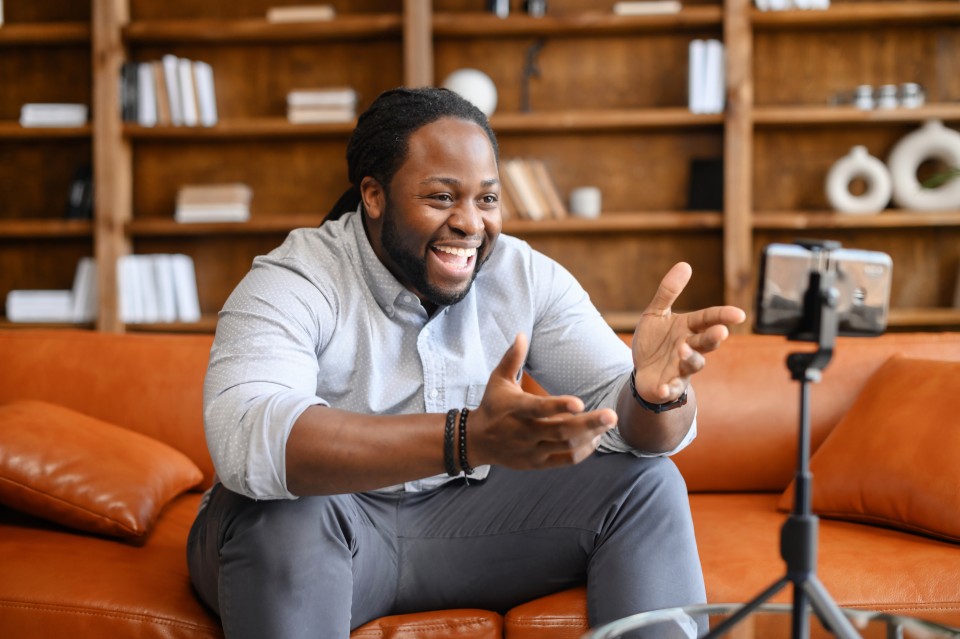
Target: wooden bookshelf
{"points": [[608, 107]]}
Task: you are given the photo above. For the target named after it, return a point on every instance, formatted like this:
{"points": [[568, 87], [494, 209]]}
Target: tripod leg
{"points": [[828, 609], [800, 622], [747, 608]]}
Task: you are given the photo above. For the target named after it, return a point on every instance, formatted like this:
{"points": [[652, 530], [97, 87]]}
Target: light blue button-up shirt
{"points": [[321, 321]]}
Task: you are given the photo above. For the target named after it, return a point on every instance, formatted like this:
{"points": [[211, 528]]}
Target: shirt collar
{"points": [[388, 292]]}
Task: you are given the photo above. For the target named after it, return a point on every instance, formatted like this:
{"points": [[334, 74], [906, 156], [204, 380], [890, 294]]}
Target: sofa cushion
{"points": [[892, 459], [81, 472]]}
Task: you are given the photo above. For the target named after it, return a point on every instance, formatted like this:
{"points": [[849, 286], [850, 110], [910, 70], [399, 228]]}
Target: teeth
{"points": [[462, 252]]}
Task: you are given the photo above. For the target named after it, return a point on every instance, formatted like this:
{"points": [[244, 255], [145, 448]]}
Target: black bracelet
{"points": [[656, 408], [464, 464], [449, 462]]}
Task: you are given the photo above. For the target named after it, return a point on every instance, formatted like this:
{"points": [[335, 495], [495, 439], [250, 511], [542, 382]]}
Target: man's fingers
{"points": [[699, 321], [670, 288], [512, 360]]}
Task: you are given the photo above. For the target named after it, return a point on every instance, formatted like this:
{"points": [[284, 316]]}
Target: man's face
{"points": [[441, 219]]}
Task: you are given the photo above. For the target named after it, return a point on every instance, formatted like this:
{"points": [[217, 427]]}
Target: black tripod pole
{"points": [[799, 534]]}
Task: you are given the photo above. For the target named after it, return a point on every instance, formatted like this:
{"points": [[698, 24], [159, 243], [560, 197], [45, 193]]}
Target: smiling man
{"points": [[374, 450]]}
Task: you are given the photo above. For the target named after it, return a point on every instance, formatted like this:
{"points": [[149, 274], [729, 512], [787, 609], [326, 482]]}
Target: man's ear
{"points": [[373, 196]]}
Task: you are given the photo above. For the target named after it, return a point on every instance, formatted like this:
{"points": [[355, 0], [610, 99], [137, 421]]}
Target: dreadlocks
{"points": [[378, 145]]}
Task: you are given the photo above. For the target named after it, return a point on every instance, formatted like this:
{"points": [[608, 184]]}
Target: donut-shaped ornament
{"points": [[932, 141], [858, 164]]}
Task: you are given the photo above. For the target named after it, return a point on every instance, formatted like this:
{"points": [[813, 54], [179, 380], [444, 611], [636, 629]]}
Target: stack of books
{"points": [[53, 114], [528, 192], [647, 7], [213, 203], [171, 91], [157, 288], [336, 104], [77, 305], [706, 89]]}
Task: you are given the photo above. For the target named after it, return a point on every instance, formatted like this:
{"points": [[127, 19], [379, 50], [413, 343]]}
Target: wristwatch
{"points": [[650, 406]]}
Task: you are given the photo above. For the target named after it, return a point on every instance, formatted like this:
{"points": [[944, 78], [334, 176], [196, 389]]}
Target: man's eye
{"points": [[443, 197], [490, 199]]}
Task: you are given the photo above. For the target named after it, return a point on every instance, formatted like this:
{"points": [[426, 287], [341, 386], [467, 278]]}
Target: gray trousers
{"points": [[318, 567]]}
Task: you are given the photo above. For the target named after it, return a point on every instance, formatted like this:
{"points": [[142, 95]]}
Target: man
{"points": [[375, 452]]}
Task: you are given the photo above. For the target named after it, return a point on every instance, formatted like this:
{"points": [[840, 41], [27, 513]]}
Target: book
{"points": [[84, 291], [39, 306], [320, 114], [528, 203], [35, 114], [160, 91], [162, 264], [185, 288], [647, 8], [171, 79], [333, 96], [714, 91], [206, 93], [128, 290], [508, 192], [129, 92], [696, 72], [146, 96], [304, 13], [188, 92], [558, 210]]}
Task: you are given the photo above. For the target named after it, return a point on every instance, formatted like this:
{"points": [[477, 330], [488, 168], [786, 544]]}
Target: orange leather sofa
{"points": [[56, 581]]}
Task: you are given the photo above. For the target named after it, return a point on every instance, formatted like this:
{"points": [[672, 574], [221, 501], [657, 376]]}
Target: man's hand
{"points": [[520, 430], [667, 347]]}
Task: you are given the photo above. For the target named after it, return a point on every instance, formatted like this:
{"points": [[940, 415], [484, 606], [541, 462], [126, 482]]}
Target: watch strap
{"points": [[650, 406]]}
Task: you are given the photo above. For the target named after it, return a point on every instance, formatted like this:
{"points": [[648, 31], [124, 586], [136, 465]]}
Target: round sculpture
{"points": [[858, 164], [932, 141], [475, 86]]}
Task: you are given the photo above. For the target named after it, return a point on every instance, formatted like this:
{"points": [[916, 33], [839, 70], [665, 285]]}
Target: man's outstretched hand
{"points": [[668, 347], [518, 429]]}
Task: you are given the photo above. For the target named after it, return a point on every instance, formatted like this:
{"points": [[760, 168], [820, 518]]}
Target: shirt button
{"points": [[433, 393], [406, 299]]}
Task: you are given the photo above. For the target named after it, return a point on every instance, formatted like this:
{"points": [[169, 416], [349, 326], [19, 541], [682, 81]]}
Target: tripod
{"points": [[798, 537]]}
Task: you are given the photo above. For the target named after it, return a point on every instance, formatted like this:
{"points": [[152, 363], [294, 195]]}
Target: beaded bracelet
{"points": [[464, 464], [449, 462]]}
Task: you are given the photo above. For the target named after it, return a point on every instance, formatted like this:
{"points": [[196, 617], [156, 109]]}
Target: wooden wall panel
{"points": [[35, 176]]}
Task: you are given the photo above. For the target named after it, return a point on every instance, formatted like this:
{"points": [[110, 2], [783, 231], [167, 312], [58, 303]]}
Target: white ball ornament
{"points": [[932, 141], [474, 86], [858, 163]]}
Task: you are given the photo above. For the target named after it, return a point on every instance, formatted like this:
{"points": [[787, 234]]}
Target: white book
{"points": [[146, 95], [39, 306], [206, 94], [53, 114], [696, 75], [85, 291], [714, 84], [128, 285], [803, 4], [171, 78], [309, 13], [647, 8], [148, 289], [166, 296], [185, 288], [194, 213], [188, 93]]}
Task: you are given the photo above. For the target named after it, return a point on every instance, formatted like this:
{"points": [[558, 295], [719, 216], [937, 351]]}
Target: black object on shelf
{"points": [[705, 189], [80, 196]]}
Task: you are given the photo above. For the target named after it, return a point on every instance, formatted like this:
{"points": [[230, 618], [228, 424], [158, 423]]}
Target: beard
{"points": [[414, 267]]}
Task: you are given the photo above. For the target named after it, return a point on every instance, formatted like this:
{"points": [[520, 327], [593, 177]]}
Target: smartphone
{"points": [[862, 282]]}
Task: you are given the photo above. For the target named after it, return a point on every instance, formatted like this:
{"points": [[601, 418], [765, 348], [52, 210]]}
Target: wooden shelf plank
{"points": [[601, 120], [922, 317], [6, 324], [13, 130], [812, 115], [273, 127], [487, 25], [168, 227], [860, 15], [45, 33], [892, 219], [52, 228], [620, 222], [344, 27]]}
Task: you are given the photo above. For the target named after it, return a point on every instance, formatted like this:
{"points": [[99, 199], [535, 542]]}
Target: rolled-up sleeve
{"points": [[262, 376]]}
